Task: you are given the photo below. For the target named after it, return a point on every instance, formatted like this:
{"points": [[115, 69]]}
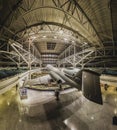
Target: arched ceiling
{"points": [[90, 19], [81, 21]]}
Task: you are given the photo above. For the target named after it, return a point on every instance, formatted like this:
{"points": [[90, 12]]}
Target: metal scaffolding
{"points": [[87, 55], [23, 55]]}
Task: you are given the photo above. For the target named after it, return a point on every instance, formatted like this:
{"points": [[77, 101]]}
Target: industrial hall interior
{"points": [[58, 64]]}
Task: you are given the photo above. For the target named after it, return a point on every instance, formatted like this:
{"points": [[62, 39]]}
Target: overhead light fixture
{"points": [[115, 111], [115, 99], [20, 120], [85, 43], [92, 117], [65, 39], [44, 36], [73, 41], [55, 37], [8, 103]]}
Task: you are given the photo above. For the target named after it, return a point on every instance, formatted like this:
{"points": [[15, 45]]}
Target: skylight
{"points": [[51, 46]]}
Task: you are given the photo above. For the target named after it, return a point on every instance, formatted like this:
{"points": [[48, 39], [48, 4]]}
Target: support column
{"points": [[29, 58], [18, 65], [8, 48], [74, 60], [82, 62]]}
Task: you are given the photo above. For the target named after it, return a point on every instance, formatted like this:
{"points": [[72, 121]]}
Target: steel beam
{"points": [[14, 7], [86, 35], [23, 53], [79, 7], [88, 55]]}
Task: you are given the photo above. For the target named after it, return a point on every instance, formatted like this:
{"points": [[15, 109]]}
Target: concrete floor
{"points": [[41, 111]]}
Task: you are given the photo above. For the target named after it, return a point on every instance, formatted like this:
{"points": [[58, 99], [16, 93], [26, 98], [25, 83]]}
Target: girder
{"points": [[87, 21], [14, 7], [25, 55], [72, 17], [88, 55]]}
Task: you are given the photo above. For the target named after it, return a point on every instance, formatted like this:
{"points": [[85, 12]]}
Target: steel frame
{"points": [[87, 55], [70, 9], [24, 55], [50, 31]]}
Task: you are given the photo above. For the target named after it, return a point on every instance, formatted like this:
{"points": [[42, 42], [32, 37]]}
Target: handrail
{"points": [[11, 81]]}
